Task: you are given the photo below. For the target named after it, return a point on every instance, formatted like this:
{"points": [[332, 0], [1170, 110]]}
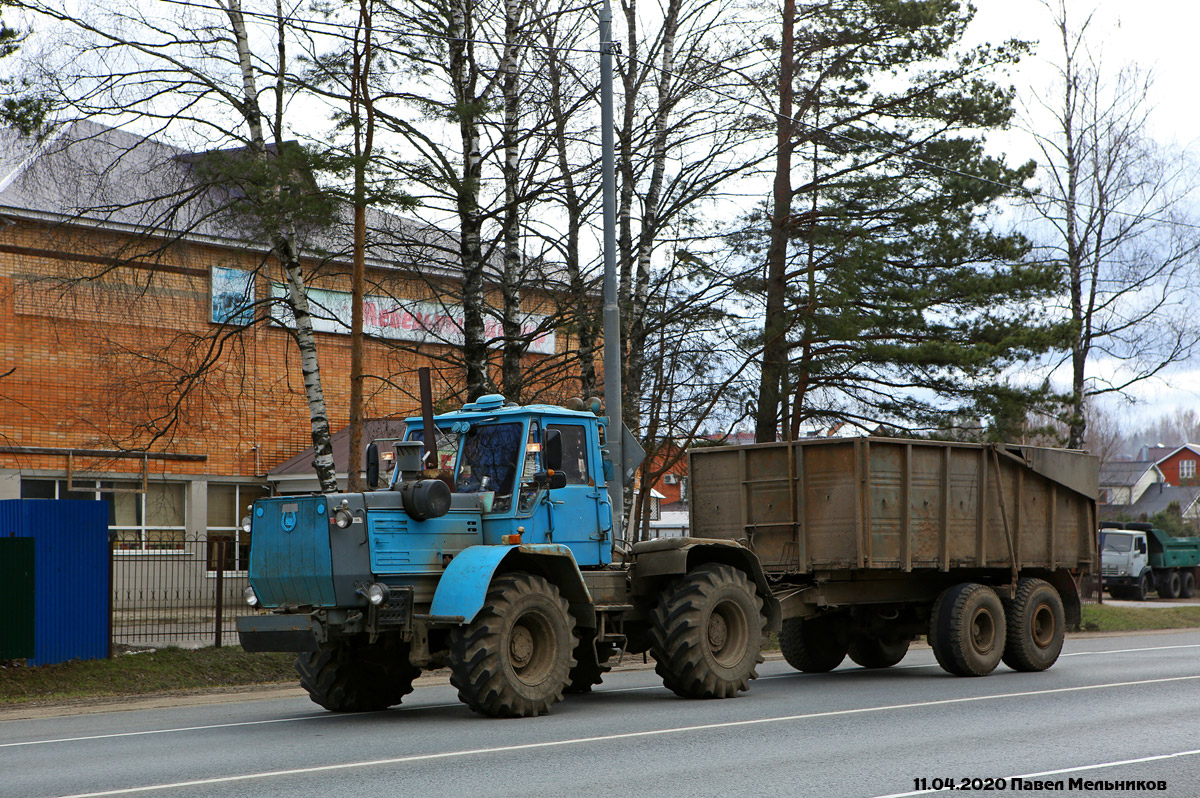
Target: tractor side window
{"points": [[489, 462], [532, 464], [574, 448]]}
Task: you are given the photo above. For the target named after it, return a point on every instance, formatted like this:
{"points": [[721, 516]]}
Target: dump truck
{"points": [[869, 542], [499, 562], [1137, 559]]}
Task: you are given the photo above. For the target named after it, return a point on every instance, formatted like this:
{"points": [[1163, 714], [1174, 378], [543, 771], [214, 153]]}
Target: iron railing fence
{"points": [[177, 596]]}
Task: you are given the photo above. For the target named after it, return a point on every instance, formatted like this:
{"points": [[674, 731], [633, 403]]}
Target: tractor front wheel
{"points": [[515, 658]]}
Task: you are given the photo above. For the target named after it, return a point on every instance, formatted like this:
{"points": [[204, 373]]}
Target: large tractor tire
{"points": [[967, 630], [590, 665], [350, 676], [1187, 587], [1036, 626], [515, 658], [874, 652], [813, 645], [707, 633], [1170, 585]]}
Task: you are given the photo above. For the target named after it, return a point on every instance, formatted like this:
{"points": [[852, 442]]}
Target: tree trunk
{"points": [[283, 248], [775, 356]]}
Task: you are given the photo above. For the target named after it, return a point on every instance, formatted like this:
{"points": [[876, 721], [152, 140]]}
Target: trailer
{"points": [[1138, 558], [869, 542]]}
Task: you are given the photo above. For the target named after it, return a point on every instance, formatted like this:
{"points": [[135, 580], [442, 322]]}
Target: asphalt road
{"points": [[1115, 708]]}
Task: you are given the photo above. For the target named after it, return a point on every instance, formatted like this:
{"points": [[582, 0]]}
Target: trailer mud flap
{"points": [[260, 633]]}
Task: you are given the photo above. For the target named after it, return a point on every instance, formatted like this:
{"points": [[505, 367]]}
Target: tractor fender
{"points": [[658, 561], [464, 584]]}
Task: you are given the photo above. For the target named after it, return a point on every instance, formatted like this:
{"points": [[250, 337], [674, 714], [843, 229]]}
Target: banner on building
{"points": [[232, 296], [400, 319]]}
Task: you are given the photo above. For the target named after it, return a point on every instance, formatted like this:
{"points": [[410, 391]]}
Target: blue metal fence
{"points": [[71, 575]]}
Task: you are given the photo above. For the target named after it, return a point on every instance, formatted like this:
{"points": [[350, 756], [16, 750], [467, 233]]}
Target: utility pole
{"points": [[612, 309]]}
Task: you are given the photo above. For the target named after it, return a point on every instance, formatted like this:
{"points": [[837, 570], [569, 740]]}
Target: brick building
{"points": [[115, 296]]}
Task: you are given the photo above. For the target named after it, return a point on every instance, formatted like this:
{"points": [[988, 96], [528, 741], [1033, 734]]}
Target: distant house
{"points": [[1158, 499], [1179, 466], [1124, 481]]}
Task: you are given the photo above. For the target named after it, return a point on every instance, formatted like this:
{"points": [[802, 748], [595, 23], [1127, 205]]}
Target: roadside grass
{"points": [[136, 674], [1103, 618]]}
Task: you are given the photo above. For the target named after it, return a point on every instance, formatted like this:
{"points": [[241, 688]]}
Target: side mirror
{"points": [[372, 465], [552, 451]]}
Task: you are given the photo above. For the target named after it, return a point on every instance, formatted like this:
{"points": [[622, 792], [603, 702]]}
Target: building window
{"points": [[1187, 469], [227, 545], [150, 521]]}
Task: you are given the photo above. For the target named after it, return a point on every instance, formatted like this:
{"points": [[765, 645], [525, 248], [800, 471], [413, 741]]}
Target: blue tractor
{"points": [[490, 551]]}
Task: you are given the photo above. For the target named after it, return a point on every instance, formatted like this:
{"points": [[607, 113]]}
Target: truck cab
{"points": [[1125, 563]]}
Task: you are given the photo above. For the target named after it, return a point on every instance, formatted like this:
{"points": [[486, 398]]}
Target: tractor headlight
{"points": [[377, 593], [246, 525], [251, 596], [343, 518]]}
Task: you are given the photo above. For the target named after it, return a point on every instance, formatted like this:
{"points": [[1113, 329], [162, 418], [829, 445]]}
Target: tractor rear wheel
{"points": [[515, 658], [813, 645], [352, 676], [967, 630], [1036, 626], [707, 633]]}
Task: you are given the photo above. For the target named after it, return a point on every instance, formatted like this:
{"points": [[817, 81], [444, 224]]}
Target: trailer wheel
{"points": [[873, 652], [1187, 587], [813, 645], [589, 667], [515, 658], [1170, 585], [1036, 626], [967, 630], [707, 633], [354, 677]]}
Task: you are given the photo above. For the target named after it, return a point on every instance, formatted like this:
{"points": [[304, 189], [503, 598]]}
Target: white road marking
{"points": [[1062, 771], [401, 760], [450, 706], [198, 728]]}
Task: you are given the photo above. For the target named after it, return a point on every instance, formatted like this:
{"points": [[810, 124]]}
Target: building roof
{"points": [[1125, 473], [373, 429], [85, 173], [1191, 447], [1156, 500]]}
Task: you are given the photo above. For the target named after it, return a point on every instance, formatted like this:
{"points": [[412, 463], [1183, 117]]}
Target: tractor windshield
{"points": [[489, 462]]}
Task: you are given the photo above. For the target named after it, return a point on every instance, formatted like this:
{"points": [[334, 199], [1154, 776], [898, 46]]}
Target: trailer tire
{"points": [[707, 633], [967, 630], [352, 677], [874, 652], [589, 668], [1170, 585], [1036, 626], [1187, 587], [515, 658], [813, 645]]}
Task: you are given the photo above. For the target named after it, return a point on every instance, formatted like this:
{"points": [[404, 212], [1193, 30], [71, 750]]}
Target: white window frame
{"points": [[234, 531], [95, 487], [1187, 469]]}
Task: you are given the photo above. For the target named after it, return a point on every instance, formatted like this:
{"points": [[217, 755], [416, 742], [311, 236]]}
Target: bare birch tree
{"points": [[1115, 204]]}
